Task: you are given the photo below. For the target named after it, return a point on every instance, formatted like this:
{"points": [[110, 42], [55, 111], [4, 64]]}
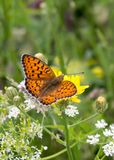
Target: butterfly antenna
{"points": [[78, 73]]}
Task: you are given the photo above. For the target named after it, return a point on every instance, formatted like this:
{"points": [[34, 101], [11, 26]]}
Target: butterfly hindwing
{"points": [[34, 87], [63, 90]]}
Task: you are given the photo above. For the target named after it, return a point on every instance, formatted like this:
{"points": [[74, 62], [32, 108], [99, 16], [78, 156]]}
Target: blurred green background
{"points": [[74, 35]]}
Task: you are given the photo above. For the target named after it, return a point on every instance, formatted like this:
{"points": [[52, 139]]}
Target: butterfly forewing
{"points": [[36, 69]]}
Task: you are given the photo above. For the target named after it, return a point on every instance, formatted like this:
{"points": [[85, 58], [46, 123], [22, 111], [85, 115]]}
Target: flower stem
{"points": [[103, 157], [67, 139], [58, 153], [54, 136], [84, 120], [99, 154]]}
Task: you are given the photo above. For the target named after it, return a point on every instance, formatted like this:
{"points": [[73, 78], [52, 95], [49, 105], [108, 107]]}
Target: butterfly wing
{"points": [[63, 90], [34, 68], [34, 86]]}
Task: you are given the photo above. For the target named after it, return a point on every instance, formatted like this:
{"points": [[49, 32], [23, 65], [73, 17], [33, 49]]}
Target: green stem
{"points": [[103, 157], [67, 138], [43, 120], [58, 153], [57, 139], [84, 120], [99, 154]]}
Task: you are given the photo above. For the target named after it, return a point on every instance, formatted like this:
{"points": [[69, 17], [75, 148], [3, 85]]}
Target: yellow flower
{"points": [[98, 71], [76, 79]]}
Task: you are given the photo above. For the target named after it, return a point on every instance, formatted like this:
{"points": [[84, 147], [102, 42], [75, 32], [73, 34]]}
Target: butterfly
{"points": [[42, 83]]}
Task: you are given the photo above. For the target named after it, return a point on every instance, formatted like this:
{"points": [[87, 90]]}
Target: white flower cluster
{"points": [[36, 129], [9, 146], [13, 112], [93, 139], [32, 102], [109, 132], [36, 155], [21, 86], [8, 141], [108, 148], [101, 124], [71, 111]]}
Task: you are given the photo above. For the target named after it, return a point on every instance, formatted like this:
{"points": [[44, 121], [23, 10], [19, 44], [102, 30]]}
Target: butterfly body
{"points": [[42, 83], [51, 85]]}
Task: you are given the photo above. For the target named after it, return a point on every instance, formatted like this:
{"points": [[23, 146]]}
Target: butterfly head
{"points": [[61, 77]]}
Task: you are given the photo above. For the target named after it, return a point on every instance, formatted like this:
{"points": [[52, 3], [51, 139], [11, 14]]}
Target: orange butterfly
{"points": [[42, 83]]}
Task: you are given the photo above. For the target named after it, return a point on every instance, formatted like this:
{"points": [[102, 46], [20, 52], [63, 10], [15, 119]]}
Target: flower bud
{"points": [[17, 100], [41, 57], [101, 104], [11, 92]]}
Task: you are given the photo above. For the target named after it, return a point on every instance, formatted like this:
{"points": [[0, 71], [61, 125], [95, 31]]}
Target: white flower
{"points": [[71, 111], [93, 139], [101, 124], [112, 127], [36, 129], [112, 130], [21, 86], [13, 112], [36, 155], [23, 158], [39, 133], [17, 158], [8, 150], [3, 118], [108, 149], [45, 148], [32, 102], [107, 132]]}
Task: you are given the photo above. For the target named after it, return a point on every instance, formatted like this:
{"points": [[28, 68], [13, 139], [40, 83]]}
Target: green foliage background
{"points": [[74, 35]]}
